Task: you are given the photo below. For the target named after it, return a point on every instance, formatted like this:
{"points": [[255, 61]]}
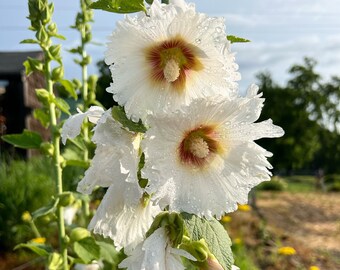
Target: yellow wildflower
{"points": [[287, 251], [244, 207], [237, 241], [26, 216], [313, 267], [226, 219], [39, 240]]}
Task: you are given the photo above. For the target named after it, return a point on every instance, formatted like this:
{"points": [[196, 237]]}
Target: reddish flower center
{"points": [[199, 146], [170, 62]]}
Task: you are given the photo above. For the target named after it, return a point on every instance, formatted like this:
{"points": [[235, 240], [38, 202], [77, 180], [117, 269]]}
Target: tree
{"points": [[308, 111]]}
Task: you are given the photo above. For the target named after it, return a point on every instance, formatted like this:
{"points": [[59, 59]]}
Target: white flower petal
{"points": [[116, 156], [72, 125], [155, 253], [131, 72], [226, 177]]}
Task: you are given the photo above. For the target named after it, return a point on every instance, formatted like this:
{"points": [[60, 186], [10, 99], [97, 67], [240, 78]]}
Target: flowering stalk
{"points": [[40, 16], [57, 161], [82, 25]]}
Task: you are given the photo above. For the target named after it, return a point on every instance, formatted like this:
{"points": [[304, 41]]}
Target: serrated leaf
{"points": [[42, 116], [69, 88], [29, 41], [50, 208], [235, 39], [215, 236], [119, 115], [41, 250], [87, 249], [119, 6], [26, 140], [55, 261], [62, 105]]}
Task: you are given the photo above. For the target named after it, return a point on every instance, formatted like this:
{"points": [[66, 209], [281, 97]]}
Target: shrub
{"points": [[276, 184]]}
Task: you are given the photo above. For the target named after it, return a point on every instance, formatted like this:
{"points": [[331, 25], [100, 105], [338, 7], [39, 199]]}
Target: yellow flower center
{"points": [[171, 61], [199, 146]]}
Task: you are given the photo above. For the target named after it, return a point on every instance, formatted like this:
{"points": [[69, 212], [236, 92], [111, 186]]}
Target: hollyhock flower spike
{"points": [[203, 159], [165, 59]]}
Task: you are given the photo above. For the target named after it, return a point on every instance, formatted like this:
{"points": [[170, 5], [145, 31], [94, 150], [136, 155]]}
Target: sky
{"points": [[282, 33]]}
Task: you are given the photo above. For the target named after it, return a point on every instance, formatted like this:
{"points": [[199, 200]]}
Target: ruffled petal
{"points": [[72, 125]]}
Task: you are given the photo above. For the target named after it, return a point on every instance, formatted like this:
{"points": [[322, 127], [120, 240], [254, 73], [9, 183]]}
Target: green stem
{"points": [[85, 205], [56, 162], [35, 229]]}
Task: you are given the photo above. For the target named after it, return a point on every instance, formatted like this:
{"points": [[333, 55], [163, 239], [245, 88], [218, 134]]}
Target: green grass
{"points": [[300, 183], [242, 258]]}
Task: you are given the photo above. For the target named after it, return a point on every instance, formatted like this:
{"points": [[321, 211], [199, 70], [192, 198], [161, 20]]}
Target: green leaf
{"points": [[87, 249], [59, 36], [41, 250], [55, 261], [50, 208], [235, 39], [42, 116], [26, 140], [29, 41], [119, 115], [69, 88], [215, 236], [109, 253], [119, 6], [62, 105]]}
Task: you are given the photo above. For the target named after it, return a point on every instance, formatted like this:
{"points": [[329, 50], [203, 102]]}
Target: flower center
{"points": [[199, 146], [171, 71], [170, 61]]}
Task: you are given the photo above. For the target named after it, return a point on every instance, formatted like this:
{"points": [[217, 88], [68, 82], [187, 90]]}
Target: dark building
{"points": [[17, 97]]}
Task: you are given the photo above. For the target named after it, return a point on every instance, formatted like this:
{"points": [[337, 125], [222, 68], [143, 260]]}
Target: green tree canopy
{"points": [[307, 109]]}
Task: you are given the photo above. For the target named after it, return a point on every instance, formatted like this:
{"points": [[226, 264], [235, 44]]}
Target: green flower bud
{"points": [[66, 199], [55, 51], [57, 73], [52, 28], [47, 148], [79, 233], [173, 224], [42, 35], [76, 83]]}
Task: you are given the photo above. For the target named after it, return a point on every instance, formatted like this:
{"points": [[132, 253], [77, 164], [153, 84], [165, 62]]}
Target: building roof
{"points": [[12, 62]]}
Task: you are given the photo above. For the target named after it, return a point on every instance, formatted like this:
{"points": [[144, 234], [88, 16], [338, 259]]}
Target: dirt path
{"points": [[310, 222]]}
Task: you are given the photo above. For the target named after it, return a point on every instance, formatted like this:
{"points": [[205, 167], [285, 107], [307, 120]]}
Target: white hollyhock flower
{"points": [[156, 253], [169, 57], [203, 159], [116, 155], [115, 166], [123, 216], [72, 125]]}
